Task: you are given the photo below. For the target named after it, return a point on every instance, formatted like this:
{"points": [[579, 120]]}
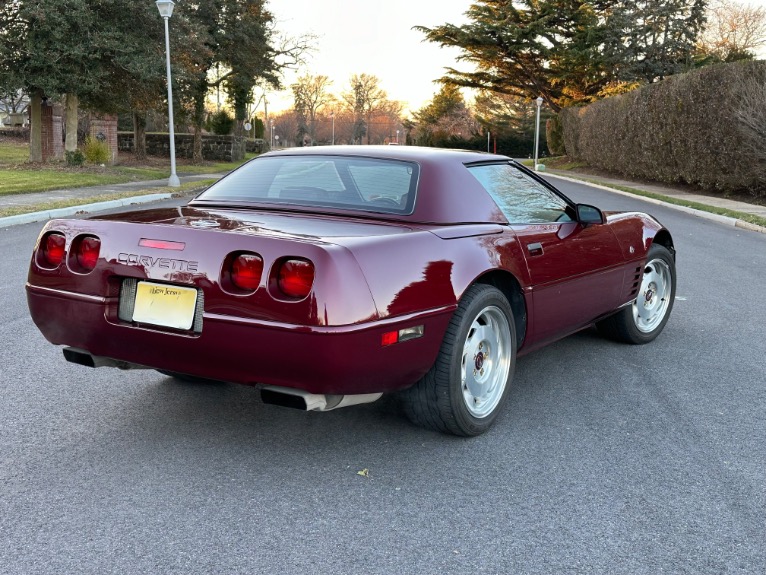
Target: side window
{"points": [[522, 199]]}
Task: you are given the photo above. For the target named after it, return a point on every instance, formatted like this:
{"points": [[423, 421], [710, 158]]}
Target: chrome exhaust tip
{"points": [[305, 401]]}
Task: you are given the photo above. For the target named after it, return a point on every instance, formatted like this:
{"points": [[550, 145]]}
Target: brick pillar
{"points": [[52, 132], [104, 128]]}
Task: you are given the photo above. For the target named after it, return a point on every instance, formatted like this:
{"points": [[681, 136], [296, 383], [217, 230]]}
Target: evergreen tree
{"points": [[106, 54], [652, 40], [445, 117], [570, 51]]}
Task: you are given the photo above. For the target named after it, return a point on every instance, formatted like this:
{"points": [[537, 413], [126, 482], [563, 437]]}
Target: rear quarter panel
{"points": [[424, 270]]}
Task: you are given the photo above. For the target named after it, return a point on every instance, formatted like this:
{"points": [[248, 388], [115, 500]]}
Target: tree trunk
{"points": [[139, 135], [72, 104], [35, 129], [198, 118], [197, 153]]}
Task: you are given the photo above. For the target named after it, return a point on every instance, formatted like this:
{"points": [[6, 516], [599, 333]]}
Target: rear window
{"points": [[366, 184]]}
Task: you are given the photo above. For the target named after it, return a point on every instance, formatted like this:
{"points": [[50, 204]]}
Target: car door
{"points": [[575, 270]]}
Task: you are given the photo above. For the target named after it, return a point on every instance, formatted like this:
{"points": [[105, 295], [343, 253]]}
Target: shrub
{"points": [[75, 158], [554, 135], [96, 151], [221, 123], [701, 128], [751, 115]]}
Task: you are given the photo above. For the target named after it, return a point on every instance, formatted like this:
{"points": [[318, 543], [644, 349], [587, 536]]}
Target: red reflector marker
{"points": [[389, 338], [161, 244], [406, 334], [53, 249], [296, 278], [246, 270], [88, 249]]}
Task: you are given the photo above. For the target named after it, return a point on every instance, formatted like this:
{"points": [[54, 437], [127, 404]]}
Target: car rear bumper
{"points": [[326, 359]]}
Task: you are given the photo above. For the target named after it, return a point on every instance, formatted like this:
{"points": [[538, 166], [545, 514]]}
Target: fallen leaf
{"points": [[364, 472]]}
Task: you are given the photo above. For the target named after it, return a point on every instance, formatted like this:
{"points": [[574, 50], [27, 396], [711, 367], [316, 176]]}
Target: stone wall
{"points": [[256, 146], [214, 148]]}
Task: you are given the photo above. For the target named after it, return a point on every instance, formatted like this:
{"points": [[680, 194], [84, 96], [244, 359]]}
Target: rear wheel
{"points": [[643, 321], [467, 387]]}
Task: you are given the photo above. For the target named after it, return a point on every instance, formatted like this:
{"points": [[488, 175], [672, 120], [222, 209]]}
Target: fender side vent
{"points": [[636, 282]]}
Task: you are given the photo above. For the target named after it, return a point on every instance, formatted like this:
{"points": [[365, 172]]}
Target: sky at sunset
{"points": [[372, 37], [376, 37]]}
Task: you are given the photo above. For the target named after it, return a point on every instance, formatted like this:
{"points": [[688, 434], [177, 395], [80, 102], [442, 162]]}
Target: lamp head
{"points": [[165, 7]]}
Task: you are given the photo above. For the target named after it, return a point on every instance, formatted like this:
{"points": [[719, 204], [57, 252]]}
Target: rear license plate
{"points": [[165, 305]]}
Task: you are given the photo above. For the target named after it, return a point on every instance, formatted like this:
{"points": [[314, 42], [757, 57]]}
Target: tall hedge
{"points": [[700, 128]]}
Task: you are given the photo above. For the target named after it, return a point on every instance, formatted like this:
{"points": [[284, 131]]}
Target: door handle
{"points": [[535, 249]]}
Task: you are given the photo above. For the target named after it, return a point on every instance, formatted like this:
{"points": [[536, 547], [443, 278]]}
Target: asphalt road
{"points": [[607, 459]]}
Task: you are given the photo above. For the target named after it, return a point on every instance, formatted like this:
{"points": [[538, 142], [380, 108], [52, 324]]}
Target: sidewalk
{"points": [[661, 189], [670, 192], [128, 189]]}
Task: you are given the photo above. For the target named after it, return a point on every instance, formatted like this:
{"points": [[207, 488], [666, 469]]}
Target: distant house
{"points": [[13, 110]]}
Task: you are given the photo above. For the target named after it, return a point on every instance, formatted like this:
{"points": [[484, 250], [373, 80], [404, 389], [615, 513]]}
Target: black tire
{"points": [[643, 320], [483, 322]]}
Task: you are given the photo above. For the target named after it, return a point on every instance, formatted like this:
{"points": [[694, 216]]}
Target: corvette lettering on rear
{"points": [[165, 263]]}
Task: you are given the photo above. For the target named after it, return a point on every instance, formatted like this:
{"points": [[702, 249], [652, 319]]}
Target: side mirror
{"points": [[587, 215]]}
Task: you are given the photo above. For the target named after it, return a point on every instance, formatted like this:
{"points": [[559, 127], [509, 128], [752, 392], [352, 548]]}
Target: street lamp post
{"points": [[332, 115], [272, 134], [166, 11], [539, 103], [397, 136]]}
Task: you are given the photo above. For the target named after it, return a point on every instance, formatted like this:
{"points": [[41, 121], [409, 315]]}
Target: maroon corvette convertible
{"points": [[332, 275]]}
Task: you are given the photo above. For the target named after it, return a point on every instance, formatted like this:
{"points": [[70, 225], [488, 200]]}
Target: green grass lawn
{"points": [[555, 162], [188, 189], [17, 177], [28, 181], [12, 153], [212, 168]]}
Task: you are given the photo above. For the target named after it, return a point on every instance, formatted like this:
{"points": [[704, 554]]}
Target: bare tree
{"points": [[14, 102], [386, 122], [734, 31], [365, 98], [310, 95], [286, 127]]}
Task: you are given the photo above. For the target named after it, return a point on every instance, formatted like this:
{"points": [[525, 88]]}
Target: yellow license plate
{"points": [[165, 305]]}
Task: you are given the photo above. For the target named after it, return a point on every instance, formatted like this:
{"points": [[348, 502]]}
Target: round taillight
{"points": [[52, 249], [86, 251], [296, 277], [246, 270]]}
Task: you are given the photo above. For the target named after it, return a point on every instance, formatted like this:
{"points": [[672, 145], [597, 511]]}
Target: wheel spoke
{"points": [[485, 361], [652, 302]]}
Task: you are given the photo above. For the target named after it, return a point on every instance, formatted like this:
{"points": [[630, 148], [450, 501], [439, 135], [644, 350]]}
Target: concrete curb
{"points": [[726, 220], [84, 208]]}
